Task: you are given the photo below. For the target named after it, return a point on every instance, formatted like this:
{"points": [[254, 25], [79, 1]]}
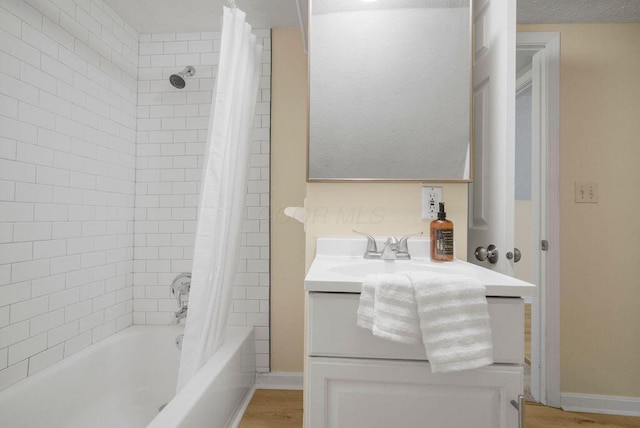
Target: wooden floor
{"points": [[283, 409]]}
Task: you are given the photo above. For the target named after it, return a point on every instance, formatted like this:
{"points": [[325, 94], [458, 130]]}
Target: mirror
{"points": [[389, 90]]}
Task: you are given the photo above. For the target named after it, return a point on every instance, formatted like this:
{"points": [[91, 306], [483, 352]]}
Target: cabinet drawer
{"points": [[351, 392], [333, 331]]}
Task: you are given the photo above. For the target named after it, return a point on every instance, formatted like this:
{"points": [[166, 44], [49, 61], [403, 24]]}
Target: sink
{"points": [[360, 270], [339, 267]]}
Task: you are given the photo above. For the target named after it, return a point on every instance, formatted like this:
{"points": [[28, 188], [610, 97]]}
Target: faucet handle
{"points": [[371, 242], [180, 286], [403, 244]]}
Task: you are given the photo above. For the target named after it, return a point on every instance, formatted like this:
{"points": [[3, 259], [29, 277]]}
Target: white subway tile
{"points": [[33, 154], [47, 285], [14, 292], [29, 270], [19, 49], [66, 229], [8, 106], [13, 374], [17, 171], [162, 37], [27, 348], [183, 60], [50, 212], [57, 33], [28, 309], [18, 252], [77, 343], [27, 192], [6, 229], [64, 264], [91, 321], [115, 312], [92, 290], [37, 78], [4, 321], [40, 41], [79, 213], [45, 359], [46, 322], [46, 249], [163, 60], [65, 195], [51, 176], [175, 47], [158, 318]]}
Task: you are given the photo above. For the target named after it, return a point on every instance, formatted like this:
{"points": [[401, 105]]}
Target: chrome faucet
{"points": [[180, 289], [394, 248], [178, 316]]}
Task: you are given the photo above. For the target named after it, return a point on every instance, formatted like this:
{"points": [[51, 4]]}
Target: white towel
{"points": [[454, 320], [365, 307], [388, 308], [395, 314]]}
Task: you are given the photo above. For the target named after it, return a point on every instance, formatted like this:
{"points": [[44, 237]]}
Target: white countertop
{"points": [[339, 267]]}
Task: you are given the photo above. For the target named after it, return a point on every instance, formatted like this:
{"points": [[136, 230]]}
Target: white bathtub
{"points": [[122, 382]]}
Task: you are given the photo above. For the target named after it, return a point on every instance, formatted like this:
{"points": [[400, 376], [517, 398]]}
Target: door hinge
{"points": [[544, 245]]}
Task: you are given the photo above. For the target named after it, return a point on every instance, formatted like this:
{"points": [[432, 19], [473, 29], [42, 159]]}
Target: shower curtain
{"points": [[222, 194]]}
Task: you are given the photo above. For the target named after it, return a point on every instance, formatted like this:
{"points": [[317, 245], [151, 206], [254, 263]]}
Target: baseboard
{"points": [[279, 380], [607, 404]]}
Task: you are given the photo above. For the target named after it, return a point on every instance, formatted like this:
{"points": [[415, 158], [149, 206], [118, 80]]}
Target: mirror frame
{"points": [[472, 53]]}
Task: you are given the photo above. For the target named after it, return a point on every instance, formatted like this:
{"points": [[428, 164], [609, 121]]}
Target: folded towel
{"points": [[395, 315], [387, 307], [365, 307], [454, 321]]}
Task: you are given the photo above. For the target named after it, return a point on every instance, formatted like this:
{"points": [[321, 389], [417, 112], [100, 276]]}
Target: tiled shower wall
{"points": [[68, 91], [172, 131]]}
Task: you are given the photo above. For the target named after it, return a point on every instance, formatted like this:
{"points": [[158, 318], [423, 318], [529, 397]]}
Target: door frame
{"points": [[546, 127]]}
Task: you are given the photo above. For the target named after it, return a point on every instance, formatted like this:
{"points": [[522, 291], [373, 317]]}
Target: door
{"points": [[491, 207]]}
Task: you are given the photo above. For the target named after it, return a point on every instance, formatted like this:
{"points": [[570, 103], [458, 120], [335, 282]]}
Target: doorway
{"points": [[536, 204]]}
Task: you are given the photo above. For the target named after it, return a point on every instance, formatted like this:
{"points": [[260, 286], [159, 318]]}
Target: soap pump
{"points": [[442, 237]]}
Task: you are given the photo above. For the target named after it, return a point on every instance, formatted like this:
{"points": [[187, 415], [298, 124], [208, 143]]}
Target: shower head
{"points": [[177, 80]]}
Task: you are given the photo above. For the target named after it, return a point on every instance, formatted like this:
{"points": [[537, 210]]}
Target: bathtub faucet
{"points": [[178, 316], [180, 289]]}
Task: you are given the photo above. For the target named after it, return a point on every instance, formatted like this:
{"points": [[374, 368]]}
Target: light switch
{"points": [[586, 193]]}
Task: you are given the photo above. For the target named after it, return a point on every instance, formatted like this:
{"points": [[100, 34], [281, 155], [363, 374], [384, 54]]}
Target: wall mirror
{"points": [[389, 90]]}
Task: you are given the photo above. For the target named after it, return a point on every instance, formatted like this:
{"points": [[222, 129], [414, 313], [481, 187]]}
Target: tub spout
{"points": [[178, 316]]}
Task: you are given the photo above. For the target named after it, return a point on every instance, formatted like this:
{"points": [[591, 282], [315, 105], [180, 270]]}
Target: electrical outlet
{"points": [[431, 197], [586, 193]]}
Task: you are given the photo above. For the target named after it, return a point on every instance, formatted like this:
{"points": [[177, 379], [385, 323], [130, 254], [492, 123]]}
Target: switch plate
{"points": [[431, 196], [586, 193]]}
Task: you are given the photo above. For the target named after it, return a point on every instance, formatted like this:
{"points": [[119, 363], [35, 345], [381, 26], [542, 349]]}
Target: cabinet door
{"points": [[382, 393]]}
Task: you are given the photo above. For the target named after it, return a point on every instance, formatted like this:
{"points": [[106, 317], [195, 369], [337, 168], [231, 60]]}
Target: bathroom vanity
{"points": [[354, 379]]}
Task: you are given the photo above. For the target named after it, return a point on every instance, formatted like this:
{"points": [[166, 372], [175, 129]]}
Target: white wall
{"points": [[67, 160], [172, 131]]}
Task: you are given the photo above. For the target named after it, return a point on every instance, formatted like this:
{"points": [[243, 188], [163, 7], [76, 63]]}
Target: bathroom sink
{"points": [[369, 267], [339, 267]]}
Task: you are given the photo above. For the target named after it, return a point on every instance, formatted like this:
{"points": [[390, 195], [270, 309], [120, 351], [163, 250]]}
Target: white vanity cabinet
{"points": [[356, 380]]}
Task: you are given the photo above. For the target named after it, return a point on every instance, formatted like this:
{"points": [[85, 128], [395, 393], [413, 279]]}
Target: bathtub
{"points": [[123, 381]]}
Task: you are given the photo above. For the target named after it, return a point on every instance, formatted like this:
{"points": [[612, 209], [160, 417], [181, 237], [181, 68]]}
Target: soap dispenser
{"points": [[442, 237]]}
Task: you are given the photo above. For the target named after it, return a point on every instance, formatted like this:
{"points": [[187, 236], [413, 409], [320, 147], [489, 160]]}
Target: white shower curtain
{"points": [[222, 195]]}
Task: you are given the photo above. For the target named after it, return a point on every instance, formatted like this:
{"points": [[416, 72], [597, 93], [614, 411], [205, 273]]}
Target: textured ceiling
{"points": [[170, 16], [574, 11]]}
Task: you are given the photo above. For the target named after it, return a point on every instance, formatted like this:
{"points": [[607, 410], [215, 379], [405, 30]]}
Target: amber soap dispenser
{"points": [[442, 237]]}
